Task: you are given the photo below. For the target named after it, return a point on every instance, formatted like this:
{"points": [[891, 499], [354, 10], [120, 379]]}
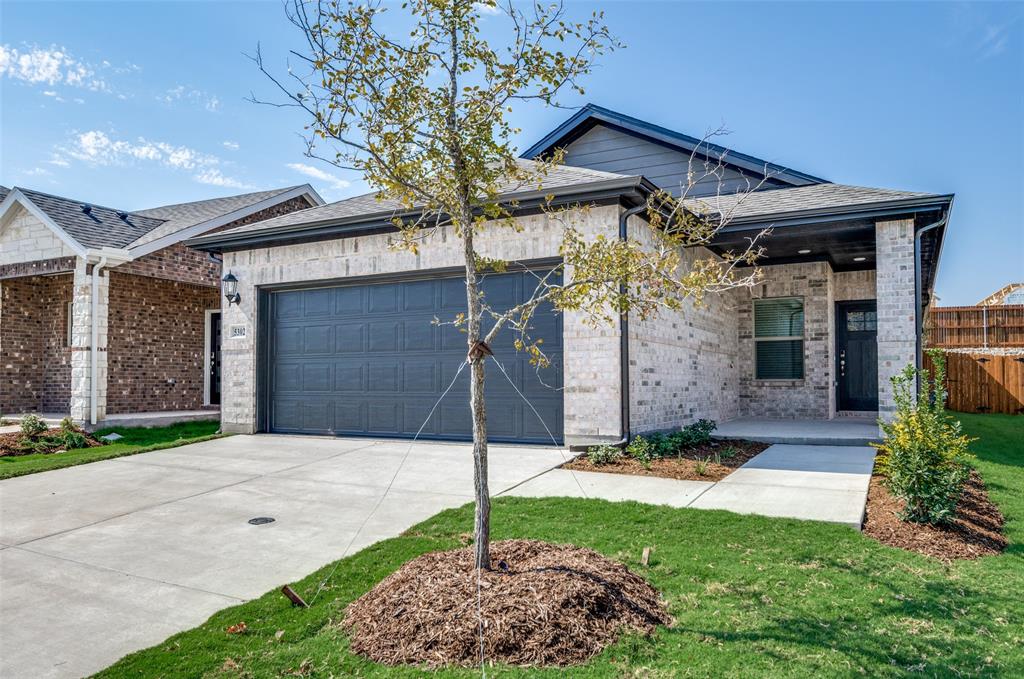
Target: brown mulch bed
{"points": [[976, 532], [683, 466], [10, 443], [543, 604]]}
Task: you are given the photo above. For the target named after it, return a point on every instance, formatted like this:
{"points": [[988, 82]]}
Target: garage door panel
{"points": [[318, 303], [348, 376], [382, 378], [349, 300], [383, 336], [418, 335], [384, 417], [419, 377], [383, 298], [369, 359], [350, 415], [349, 338], [318, 339]]}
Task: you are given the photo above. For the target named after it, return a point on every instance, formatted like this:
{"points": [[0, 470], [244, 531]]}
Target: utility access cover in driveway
{"points": [[372, 360]]}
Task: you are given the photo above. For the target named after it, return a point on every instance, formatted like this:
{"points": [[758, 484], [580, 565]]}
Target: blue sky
{"points": [[145, 103]]}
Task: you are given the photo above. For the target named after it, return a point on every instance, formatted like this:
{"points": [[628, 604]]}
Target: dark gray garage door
{"points": [[369, 360]]}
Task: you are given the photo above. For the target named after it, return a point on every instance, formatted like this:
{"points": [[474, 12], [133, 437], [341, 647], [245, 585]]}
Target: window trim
{"points": [[794, 381]]}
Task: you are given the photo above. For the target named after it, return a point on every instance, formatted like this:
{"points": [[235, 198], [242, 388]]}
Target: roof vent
{"points": [[123, 215], [86, 208]]}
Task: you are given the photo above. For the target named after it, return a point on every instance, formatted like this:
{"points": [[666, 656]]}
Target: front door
{"points": [[857, 356], [214, 359]]}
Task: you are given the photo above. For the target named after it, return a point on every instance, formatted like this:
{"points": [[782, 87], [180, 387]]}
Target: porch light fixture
{"points": [[859, 259], [803, 252], [231, 289]]}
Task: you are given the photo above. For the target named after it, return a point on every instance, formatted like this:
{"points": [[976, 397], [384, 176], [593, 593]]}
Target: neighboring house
{"points": [[1012, 293], [333, 332], [104, 311]]}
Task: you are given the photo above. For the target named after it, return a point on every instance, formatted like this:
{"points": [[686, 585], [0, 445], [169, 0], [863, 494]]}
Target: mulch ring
{"points": [[11, 444], [732, 453], [976, 532], [543, 604]]}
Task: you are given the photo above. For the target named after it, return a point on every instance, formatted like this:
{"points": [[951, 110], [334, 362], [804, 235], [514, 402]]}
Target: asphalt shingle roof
{"points": [[100, 227], [797, 199], [105, 227], [183, 215], [369, 204]]}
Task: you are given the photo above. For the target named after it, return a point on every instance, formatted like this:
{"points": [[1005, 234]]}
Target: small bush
{"points": [[641, 450], [71, 439], [700, 466], [605, 454], [32, 426], [67, 424], [663, 445], [923, 455]]}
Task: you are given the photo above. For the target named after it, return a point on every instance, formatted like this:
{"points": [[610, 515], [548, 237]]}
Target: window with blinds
{"points": [[779, 338]]}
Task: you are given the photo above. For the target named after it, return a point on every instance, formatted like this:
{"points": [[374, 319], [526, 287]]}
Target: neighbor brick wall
{"points": [[181, 263], [591, 355], [35, 360], [155, 343], [814, 395]]}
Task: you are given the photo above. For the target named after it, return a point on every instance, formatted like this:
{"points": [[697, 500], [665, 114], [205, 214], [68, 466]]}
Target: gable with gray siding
{"points": [[613, 150]]}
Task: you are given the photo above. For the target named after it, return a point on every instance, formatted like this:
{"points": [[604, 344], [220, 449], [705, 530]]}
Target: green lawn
{"points": [[136, 440], [752, 597]]}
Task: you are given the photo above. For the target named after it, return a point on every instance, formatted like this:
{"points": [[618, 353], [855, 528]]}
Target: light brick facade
{"points": [[897, 332]]}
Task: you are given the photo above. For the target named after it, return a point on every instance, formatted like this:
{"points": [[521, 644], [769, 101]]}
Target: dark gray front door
{"points": [[370, 360], [857, 355]]}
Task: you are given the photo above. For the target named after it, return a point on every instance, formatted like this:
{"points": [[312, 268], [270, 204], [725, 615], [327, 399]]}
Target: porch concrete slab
{"points": [[613, 487], [841, 431], [859, 460], [161, 418], [38, 505], [66, 619]]}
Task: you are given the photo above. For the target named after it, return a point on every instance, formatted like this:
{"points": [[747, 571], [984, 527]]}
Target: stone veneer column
{"points": [[81, 343], [896, 299]]}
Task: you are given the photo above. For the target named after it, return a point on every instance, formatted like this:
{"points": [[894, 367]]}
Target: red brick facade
{"points": [[35, 360], [180, 263], [155, 343]]}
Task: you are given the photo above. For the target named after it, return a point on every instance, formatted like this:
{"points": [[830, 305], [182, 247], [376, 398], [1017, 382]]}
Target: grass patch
{"points": [[136, 440], [751, 596]]}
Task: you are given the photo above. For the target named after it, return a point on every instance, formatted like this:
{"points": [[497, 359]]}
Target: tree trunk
{"points": [[478, 409]]}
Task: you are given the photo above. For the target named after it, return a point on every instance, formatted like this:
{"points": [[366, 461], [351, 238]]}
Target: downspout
{"points": [[94, 350], [919, 293], [624, 334]]}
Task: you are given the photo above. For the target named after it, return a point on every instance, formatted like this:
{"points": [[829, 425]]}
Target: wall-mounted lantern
{"points": [[231, 289]]}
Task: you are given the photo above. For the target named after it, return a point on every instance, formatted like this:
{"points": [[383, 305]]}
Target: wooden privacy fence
{"points": [[975, 327], [983, 383]]}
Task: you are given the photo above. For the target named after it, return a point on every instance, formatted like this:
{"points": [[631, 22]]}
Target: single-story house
{"points": [[332, 332], [106, 311]]}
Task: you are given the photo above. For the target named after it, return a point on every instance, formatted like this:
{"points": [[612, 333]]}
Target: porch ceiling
{"points": [[842, 244]]}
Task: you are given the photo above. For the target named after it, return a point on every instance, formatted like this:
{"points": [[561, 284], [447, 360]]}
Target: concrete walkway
{"points": [[820, 483], [103, 559]]}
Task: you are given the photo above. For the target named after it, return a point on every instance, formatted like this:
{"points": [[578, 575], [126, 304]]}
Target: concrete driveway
{"points": [[103, 559]]}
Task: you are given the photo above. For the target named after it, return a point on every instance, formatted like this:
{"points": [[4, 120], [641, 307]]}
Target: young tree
{"points": [[417, 100]]}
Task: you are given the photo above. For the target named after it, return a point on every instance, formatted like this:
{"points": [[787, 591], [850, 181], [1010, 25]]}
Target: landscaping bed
{"points": [[543, 604], [976, 531], [47, 443], [710, 461]]}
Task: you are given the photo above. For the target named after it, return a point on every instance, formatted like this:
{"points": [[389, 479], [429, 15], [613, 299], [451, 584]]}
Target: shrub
{"points": [[32, 426], [923, 455], [604, 454], [67, 424], [71, 439], [641, 450], [663, 445], [700, 465]]}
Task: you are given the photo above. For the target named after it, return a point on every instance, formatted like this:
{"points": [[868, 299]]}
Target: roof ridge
{"points": [[23, 189], [275, 191]]}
